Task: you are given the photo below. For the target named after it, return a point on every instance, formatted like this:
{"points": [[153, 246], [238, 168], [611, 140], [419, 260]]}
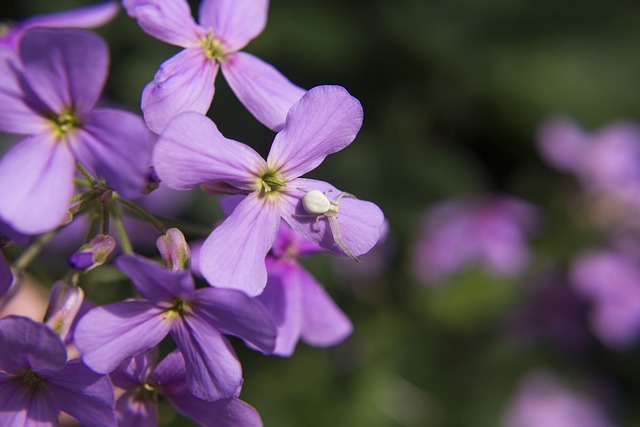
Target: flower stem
{"points": [[141, 212], [85, 173], [33, 250], [125, 243]]}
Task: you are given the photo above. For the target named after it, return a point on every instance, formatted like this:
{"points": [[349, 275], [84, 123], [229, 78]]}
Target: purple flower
{"points": [[491, 232], [85, 17], [195, 318], [298, 303], [192, 151], [186, 81], [544, 401], [6, 277], [37, 382], [606, 161], [610, 280], [143, 382], [50, 96]]}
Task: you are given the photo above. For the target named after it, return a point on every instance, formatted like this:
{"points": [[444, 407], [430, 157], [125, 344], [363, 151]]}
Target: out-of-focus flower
{"points": [[37, 382], [50, 95], [491, 232], [610, 281], [185, 82], [85, 17], [542, 400], [192, 151], [143, 381]]}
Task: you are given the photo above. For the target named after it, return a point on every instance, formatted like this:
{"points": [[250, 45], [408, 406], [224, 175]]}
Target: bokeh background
{"points": [[454, 93]]}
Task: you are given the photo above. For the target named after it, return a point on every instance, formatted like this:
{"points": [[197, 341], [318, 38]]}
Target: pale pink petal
{"points": [[36, 183], [360, 222], [236, 22], [67, 68], [262, 89], [185, 82], [167, 20], [192, 151], [324, 323], [83, 17], [324, 121], [233, 254]]}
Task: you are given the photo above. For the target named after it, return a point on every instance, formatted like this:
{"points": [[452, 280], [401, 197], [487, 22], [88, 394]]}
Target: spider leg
{"points": [[337, 237]]}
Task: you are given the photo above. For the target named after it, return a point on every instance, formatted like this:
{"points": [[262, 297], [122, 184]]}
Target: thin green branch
{"points": [[142, 213]]}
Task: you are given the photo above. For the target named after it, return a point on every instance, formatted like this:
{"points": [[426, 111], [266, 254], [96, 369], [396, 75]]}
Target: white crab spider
{"points": [[316, 203]]}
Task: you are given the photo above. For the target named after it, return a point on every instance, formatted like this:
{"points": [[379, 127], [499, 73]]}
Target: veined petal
{"points": [[324, 323], [169, 21], [109, 334], [115, 145], [155, 282], [83, 394], [236, 22], [83, 17], [282, 297], [230, 412], [36, 183], [213, 370], [360, 222], [19, 111], [15, 400], [325, 120], [131, 411], [233, 312], [184, 82], [67, 68], [192, 151], [134, 371], [262, 89], [233, 254], [26, 344]]}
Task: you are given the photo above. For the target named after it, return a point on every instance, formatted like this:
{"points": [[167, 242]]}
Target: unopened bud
{"points": [[93, 253], [64, 302], [174, 250]]}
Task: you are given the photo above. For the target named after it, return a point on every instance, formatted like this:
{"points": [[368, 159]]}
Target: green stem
{"points": [[84, 204], [105, 218], [186, 227], [141, 212], [85, 173], [125, 243], [33, 250]]}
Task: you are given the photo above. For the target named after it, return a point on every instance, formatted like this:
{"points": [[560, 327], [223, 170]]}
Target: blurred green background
{"points": [[453, 92]]}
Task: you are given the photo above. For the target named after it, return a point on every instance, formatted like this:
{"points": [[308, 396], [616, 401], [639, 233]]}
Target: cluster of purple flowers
{"points": [[80, 160]]}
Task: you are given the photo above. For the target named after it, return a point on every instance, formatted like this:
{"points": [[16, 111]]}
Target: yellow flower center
{"points": [[213, 48]]}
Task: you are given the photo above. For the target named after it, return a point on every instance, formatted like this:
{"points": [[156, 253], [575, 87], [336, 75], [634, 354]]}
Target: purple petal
{"points": [[233, 312], [289, 242], [22, 407], [236, 22], [6, 277], [282, 297], [67, 68], [213, 370], [36, 183], [84, 17], [170, 370], [192, 151], [360, 221], [83, 394], [262, 89], [109, 334], [325, 120], [561, 142], [184, 82], [17, 113], [169, 21], [155, 282], [221, 413], [115, 145], [26, 344], [324, 324], [134, 371], [132, 411], [233, 254]]}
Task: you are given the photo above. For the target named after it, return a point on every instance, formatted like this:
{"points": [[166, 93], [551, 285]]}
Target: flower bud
{"points": [[93, 253], [174, 250], [64, 302]]}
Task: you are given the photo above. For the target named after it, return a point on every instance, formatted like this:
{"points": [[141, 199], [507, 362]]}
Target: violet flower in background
{"points": [[185, 82], [37, 382], [491, 232], [542, 400], [143, 381], [610, 281], [192, 151], [50, 96], [195, 318], [84, 17]]}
